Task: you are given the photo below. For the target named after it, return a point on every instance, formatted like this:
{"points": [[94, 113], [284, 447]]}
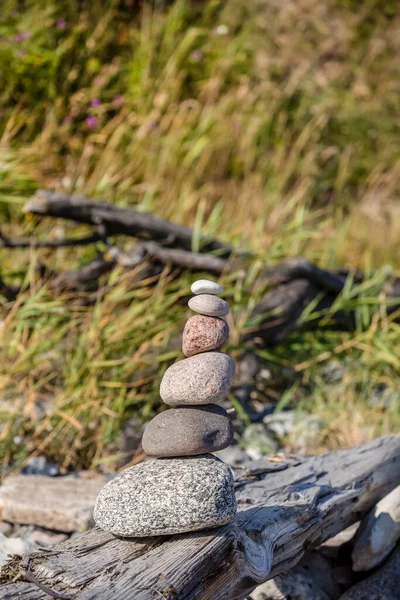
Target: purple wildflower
{"points": [[22, 35], [153, 124], [117, 100], [197, 55], [95, 102], [61, 23], [91, 121]]}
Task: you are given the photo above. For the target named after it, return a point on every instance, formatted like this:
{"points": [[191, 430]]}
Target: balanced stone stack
{"points": [[185, 488]]}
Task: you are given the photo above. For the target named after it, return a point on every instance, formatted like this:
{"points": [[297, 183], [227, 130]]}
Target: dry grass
{"points": [[274, 125]]}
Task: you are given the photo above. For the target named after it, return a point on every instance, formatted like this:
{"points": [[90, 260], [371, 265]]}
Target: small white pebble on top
{"points": [[205, 286]]}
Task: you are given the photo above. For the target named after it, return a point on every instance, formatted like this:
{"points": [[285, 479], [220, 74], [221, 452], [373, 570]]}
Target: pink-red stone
{"points": [[203, 334]]}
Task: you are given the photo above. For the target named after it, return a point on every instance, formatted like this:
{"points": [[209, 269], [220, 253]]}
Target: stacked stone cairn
{"points": [[185, 488]]}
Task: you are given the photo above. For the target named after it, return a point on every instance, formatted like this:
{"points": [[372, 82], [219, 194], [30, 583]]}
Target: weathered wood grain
{"points": [[284, 509]]}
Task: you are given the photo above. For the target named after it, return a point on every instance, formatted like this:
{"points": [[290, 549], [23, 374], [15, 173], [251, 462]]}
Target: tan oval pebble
{"points": [[202, 334], [206, 304], [200, 379], [188, 431]]}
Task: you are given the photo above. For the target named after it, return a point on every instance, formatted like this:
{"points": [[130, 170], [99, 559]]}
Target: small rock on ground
{"points": [[14, 546], [311, 579], [233, 456], [301, 428], [384, 584], [5, 528], [258, 441], [378, 534], [47, 538], [39, 465], [333, 546], [58, 503]]}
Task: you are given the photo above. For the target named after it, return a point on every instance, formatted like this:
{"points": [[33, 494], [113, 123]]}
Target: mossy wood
{"points": [[285, 508]]}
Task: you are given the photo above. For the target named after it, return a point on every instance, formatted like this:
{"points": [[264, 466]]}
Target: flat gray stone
{"points": [[207, 304], [200, 379], [15, 546], [383, 584], [58, 503], [5, 528], [313, 578], [204, 334], [188, 431], [258, 441], [378, 534], [39, 465], [167, 496]]}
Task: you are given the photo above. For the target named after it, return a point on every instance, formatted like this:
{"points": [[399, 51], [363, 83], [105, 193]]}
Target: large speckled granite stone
{"points": [[167, 496], [188, 431], [206, 304], [202, 334], [200, 379]]}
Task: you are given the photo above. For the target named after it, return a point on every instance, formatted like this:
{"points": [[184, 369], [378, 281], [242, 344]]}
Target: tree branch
{"points": [[119, 220], [194, 261], [7, 242]]}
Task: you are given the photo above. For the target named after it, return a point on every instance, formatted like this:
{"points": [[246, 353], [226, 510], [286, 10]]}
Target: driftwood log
{"points": [[286, 507], [117, 220], [294, 284], [290, 286]]}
